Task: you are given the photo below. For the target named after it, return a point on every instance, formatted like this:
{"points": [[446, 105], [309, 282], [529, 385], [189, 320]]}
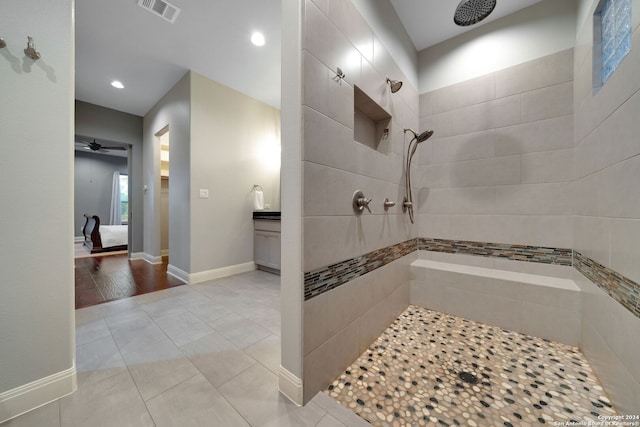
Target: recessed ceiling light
{"points": [[257, 39], [117, 84]]}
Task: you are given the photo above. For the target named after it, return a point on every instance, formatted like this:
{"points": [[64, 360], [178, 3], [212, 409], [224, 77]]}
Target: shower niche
{"points": [[370, 121]]}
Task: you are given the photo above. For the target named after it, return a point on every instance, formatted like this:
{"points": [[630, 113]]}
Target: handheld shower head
{"points": [[422, 137], [407, 204], [395, 85]]}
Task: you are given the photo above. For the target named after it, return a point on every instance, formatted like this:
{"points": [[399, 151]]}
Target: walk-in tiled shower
{"points": [[431, 368]]}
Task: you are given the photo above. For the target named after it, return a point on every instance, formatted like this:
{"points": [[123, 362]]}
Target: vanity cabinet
{"points": [[266, 244]]}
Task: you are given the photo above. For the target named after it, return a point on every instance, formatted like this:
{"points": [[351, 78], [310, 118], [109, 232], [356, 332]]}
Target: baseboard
{"points": [[78, 239], [179, 274], [38, 393], [147, 257], [164, 252], [290, 386], [203, 276]]}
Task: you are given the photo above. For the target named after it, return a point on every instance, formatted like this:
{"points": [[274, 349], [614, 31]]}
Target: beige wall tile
{"points": [[546, 71], [327, 142], [327, 361], [486, 228], [548, 102], [322, 38], [315, 196], [316, 331], [323, 5], [316, 81], [553, 323], [426, 104], [625, 237], [592, 238], [340, 106], [619, 182], [535, 199], [471, 92], [547, 166], [469, 146], [543, 135], [473, 200], [488, 115], [346, 17], [437, 226], [345, 304], [486, 172], [546, 230]]}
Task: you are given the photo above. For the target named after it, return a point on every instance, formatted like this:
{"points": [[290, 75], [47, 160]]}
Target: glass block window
{"points": [[615, 27]]}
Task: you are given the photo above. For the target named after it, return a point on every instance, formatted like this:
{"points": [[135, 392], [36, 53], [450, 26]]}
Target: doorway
{"points": [[163, 140]]}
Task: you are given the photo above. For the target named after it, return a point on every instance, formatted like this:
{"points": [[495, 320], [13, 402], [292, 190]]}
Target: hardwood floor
{"points": [[107, 278]]}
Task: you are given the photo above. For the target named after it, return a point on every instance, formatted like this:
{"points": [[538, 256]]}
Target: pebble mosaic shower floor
{"points": [[431, 368]]}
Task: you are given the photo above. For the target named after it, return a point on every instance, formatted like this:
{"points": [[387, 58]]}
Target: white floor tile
{"points": [[240, 331], [254, 394], [158, 367], [184, 327], [195, 402]]}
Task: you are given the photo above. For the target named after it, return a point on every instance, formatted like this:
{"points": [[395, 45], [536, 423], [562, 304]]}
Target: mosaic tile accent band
{"points": [[546, 255], [324, 279], [620, 288]]}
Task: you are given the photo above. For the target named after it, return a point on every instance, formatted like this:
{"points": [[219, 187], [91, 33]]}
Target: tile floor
{"points": [[208, 355], [199, 355], [431, 368]]}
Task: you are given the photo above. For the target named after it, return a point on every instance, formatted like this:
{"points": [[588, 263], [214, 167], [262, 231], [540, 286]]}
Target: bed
{"points": [[103, 238]]}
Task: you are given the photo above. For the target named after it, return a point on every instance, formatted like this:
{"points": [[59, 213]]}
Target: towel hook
{"points": [[257, 187], [31, 51]]}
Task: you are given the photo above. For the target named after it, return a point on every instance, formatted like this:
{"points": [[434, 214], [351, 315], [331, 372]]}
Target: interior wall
{"points": [[235, 143], [291, 272], [499, 167], [173, 110], [539, 30], [340, 323], [93, 180], [607, 222], [386, 25], [37, 326], [105, 124]]}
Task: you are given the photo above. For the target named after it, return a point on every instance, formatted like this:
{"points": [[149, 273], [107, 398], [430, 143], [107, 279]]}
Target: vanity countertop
{"points": [[268, 215]]}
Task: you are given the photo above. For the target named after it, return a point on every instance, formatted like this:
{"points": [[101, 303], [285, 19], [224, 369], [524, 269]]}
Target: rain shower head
{"points": [[470, 12], [422, 137], [395, 85]]}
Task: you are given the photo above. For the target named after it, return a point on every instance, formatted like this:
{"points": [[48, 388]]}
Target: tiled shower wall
{"points": [[510, 163], [340, 323], [499, 167], [607, 207]]}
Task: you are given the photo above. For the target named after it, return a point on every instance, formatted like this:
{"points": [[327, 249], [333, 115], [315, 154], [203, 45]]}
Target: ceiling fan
{"points": [[96, 146]]}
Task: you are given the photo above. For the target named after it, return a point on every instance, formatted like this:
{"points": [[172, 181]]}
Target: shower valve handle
{"points": [[360, 202], [363, 202]]}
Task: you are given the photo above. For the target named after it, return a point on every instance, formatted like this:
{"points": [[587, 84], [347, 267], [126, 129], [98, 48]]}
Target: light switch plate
{"points": [[204, 193]]}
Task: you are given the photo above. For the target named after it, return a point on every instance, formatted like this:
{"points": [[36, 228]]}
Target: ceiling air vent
{"points": [[161, 8]]}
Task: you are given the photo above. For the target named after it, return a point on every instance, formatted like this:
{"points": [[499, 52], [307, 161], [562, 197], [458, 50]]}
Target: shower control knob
{"points": [[364, 203], [388, 204], [360, 202]]}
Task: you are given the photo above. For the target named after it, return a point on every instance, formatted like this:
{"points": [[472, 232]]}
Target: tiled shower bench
{"points": [[542, 306]]}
